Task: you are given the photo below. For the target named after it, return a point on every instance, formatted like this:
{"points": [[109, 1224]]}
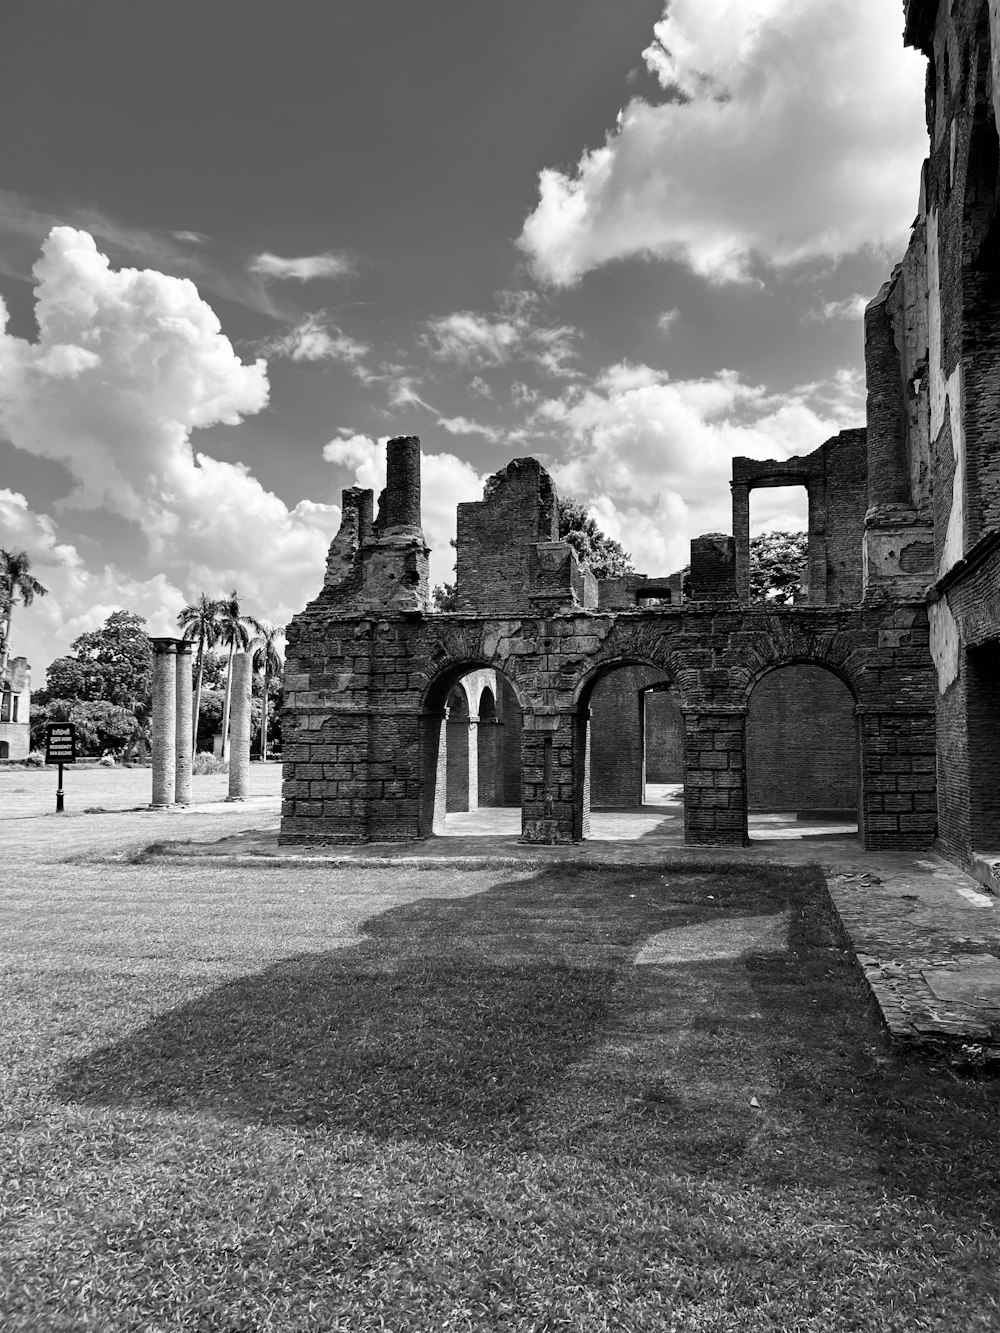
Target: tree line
{"points": [[104, 685]]}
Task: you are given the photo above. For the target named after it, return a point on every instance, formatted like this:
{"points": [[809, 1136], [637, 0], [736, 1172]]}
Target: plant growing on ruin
{"points": [[601, 554]]}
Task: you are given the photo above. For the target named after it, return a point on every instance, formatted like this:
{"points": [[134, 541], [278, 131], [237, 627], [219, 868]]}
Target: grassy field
{"points": [[226, 1108]]}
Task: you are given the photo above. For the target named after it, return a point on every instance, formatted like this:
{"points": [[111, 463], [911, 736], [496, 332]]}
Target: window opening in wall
{"points": [[779, 523], [635, 735], [7, 707], [474, 768], [802, 761], [4, 750]]}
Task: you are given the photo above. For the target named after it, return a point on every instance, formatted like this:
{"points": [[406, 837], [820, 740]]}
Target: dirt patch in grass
{"points": [[575, 1099]]}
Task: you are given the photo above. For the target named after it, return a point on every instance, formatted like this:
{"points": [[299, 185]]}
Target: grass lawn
{"points": [[541, 1100]]}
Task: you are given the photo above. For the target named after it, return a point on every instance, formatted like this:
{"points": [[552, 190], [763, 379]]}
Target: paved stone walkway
{"points": [[925, 934]]}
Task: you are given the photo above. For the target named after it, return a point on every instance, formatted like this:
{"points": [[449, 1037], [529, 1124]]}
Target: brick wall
{"points": [[802, 750], [664, 736]]}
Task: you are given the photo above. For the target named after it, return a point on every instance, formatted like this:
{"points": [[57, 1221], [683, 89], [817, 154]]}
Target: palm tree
{"points": [[235, 631], [266, 659], [201, 621], [16, 580]]}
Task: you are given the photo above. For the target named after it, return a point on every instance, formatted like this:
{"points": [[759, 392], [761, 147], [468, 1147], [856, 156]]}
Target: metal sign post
{"points": [[60, 748]]}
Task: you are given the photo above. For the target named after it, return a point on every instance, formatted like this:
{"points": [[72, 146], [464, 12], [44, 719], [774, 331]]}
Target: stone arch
{"points": [[802, 742], [609, 733], [461, 768]]}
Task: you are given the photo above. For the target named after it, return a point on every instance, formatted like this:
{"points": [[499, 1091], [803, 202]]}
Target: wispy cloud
{"points": [[667, 320], [307, 268], [466, 426], [467, 338], [25, 223], [313, 339]]}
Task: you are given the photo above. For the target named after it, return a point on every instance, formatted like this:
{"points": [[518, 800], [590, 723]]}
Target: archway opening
{"points": [[471, 778], [632, 762], [803, 769]]}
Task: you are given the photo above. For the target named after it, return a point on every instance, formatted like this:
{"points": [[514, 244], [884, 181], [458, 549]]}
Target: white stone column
{"points": [[239, 728], [185, 710], [164, 722]]}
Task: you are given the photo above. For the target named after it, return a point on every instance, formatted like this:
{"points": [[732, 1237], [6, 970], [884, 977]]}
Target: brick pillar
{"points": [[715, 782], [434, 773], [741, 535], [459, 768], [239, 728], [816, 553], [402, 483], [548, 781], [185, 722], [488, 762], [164, 722], [898, 804]]}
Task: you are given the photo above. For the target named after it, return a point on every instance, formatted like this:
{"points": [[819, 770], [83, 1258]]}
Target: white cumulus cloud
{"points": [[126, 366], [791, 130]]}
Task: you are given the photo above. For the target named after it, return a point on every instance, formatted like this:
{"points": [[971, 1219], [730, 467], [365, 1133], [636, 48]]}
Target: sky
{"points": [[242, 245]]}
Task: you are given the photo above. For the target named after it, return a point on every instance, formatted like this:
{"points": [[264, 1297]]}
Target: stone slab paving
{"points": [[925, 934]]}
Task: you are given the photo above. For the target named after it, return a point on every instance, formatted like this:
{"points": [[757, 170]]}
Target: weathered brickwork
{"points": [[802, 751], [368, 696], [942, 362]]}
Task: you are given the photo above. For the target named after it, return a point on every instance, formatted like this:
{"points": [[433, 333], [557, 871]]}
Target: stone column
{"points": [[741, 535], [185, 711], [164, 722], [239, 728]]}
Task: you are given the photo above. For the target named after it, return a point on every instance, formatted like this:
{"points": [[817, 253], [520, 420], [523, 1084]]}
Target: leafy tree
{"points": [[778, 566], [117, 659], [267, 662], [444, 597], [201, 621], [113, 664], [602, 555], [16, 581], [235, 631], [102, 727]]}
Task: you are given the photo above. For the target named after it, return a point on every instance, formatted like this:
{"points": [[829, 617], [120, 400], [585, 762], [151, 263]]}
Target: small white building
{"points": [[15, 708]]}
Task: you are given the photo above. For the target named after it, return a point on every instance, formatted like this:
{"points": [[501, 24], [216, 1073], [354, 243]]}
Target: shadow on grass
{"points": [[446, 1020]]}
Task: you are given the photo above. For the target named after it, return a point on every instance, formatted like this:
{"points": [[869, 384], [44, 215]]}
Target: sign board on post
{"points": [[60, 748], [60, 743]]}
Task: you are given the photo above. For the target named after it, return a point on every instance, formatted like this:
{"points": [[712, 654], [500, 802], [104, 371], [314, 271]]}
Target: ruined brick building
{"points": [[878, 692]]}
